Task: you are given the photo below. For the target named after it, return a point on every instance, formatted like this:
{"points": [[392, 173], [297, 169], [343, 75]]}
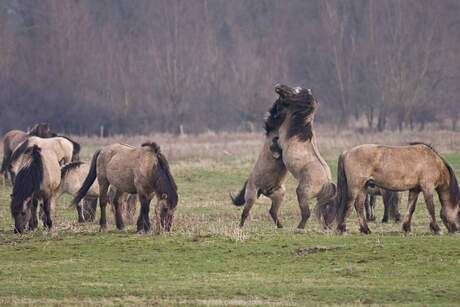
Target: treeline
{"points": [[142, 66]]}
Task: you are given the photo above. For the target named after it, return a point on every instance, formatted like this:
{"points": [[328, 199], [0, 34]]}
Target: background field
{"points": [[208, 260]]}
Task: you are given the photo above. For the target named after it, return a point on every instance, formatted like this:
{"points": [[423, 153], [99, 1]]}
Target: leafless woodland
{"points": [[157, 65]]}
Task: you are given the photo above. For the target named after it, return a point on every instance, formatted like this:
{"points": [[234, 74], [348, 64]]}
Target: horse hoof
{"points": [[384, 221], [279, 226], [435, 229], [365, 230], [341, 229], [406, 228]]}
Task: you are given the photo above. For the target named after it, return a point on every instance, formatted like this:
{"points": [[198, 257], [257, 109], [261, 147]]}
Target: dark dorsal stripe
{"points": [[70, 166], [76, 146]]}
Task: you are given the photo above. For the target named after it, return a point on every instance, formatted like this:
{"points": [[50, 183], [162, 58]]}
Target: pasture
{"points": [[208, 260]]}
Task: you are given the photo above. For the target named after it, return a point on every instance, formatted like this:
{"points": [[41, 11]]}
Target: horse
{"points": [[143, 171], [301, 155], [39, 177], [416, 167], [73, 175], [391, 200], [65, 148], [268, 174], [12, 139]]}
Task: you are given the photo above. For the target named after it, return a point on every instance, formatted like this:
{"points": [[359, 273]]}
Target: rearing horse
{"points": [[301, 155], [416, 167]]}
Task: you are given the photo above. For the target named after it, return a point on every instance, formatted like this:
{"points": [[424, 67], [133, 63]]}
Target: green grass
{"points": [[208, 260]]}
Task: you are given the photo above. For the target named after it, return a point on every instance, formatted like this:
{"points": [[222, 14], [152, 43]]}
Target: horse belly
{"points": [[122, 179]]}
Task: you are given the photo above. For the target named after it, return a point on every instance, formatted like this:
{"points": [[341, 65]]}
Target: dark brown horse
{"points": [[143, 171], [12, 139], [416, 167], [391, 200]]}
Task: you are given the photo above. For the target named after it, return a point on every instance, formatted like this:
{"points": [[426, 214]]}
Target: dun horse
{"points": [[416, 167], [65, 149], [268, 174], [143, 171], [391, 200], [73, 175], [39, 177], [13, 138], [301, 155]]}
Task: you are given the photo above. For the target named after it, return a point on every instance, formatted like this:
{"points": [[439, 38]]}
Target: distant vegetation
{"points": [[143, 66]]}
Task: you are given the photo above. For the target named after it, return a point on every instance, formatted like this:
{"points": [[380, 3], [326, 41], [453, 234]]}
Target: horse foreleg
{"points": [[89, 208], [277, 198], [118, 211], [413, 196], [143, 222], [373, 199], [47, 210], [80, 213], [359, 207], [431, 211], [33, 222]]}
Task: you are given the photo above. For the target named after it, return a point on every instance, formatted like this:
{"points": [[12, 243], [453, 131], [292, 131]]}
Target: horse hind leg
{"points": [[359, 207], [103, 199], [303, 197], [143, 222], [413, 196], [277, 198], [431, 211]]}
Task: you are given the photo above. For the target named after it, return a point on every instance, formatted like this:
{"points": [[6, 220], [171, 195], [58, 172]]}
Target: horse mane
{"points": [[18, 151], [70, 166], [454, 190], [28, 179], [299, 126], [274, 118], [162, 174], [76, 146]]}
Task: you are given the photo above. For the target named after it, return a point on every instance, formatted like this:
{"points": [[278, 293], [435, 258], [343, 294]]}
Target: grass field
{"points": [[208, 260]]}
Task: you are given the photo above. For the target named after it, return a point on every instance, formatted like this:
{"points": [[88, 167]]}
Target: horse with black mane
{"points": [[268, 175], [143, 171], [416, 167], [38, 177], [13, 138], [301, 155]]}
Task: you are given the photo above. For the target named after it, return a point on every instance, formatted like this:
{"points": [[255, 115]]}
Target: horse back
{"points": [[393, 167]]}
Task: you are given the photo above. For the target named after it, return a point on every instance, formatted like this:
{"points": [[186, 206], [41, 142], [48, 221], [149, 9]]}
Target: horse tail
{"points": [[326, 206], [89, 180], [342, 190], [29, 178], [5, 161], [239, 199]]}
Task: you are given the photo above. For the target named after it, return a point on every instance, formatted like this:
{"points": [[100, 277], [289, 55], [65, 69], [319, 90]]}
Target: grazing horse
{"points": [[143, 171], [12, 139], [73, 175], [65, 149], [268, 174], [39, 177], [301, 155], [416, 167], [391, 200]]}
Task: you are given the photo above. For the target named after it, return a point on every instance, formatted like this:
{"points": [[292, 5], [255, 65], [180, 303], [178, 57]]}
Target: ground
{"points": [[208, 260]]}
